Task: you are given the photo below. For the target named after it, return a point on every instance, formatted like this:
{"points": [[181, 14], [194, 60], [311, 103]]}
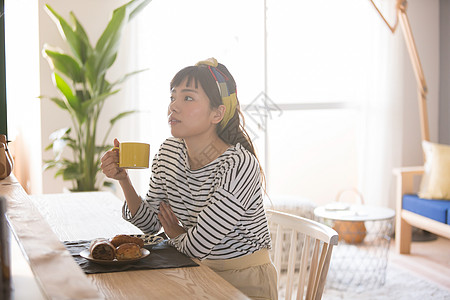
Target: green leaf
{"points": [[59, 102], [66, 91], [58, 148], [108, 44], [59, 172], [91, 72], [60, 138], [83, 95], [107, 62], [126, 76], [102, 149], [106, 86], [89, 104], [71, 143], [108, 184], [65, 64], [96, 68], [85, 45], [109, 40], [59, 164], [138, 8], [49, 164], [49, 146], [121, 115], [66, 32], [72, 172], [60, 133]]}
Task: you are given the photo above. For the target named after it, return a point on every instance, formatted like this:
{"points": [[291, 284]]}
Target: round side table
{"points": [[360, 259]]}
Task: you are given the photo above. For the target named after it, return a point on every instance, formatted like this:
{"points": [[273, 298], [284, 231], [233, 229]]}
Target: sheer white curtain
{"points": [[380, 135], [318, 53], [382, 111]]}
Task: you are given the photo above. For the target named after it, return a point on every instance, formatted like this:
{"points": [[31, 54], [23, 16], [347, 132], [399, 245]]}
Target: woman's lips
{"points": [[173, 121]]}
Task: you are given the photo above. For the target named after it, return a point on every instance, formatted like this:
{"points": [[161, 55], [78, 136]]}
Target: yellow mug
{"points": [[133, 155]]}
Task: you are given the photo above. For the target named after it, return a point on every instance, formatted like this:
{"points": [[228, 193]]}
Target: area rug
{"points": [[400, 284]]}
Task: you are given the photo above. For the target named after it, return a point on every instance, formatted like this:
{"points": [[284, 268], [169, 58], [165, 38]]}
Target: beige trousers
{"points": [[252, 274]]}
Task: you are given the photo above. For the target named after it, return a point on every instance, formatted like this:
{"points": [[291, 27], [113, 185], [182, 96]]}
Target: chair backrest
{"points": [[318, 241]]}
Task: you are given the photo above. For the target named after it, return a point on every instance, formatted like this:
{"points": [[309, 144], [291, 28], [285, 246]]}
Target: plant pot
{"points": [[353, 232]]}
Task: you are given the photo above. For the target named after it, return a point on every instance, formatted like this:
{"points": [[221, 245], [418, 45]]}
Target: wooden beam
{"points": [[418, 70]]}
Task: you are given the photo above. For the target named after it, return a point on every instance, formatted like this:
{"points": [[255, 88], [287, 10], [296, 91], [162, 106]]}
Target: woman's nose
{"points": [[173, 107]]}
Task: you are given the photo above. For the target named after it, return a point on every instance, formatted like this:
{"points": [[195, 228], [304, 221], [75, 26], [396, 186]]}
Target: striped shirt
{"points": [[219, 205]]}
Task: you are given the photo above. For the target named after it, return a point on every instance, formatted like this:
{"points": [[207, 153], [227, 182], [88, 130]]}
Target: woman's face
{"points": [[190, 114]]}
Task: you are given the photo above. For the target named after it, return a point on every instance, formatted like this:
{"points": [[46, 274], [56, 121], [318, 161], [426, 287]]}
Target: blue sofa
{"points": [[411, 210]]}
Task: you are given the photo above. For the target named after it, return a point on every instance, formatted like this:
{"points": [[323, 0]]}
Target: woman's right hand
{"points": [[110, 164]]}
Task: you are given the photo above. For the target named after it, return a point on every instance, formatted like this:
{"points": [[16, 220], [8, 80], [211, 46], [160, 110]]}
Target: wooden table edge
{"points": [[51, 264]]}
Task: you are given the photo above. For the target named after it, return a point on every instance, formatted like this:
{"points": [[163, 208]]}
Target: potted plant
{"points": [[80, 78]]}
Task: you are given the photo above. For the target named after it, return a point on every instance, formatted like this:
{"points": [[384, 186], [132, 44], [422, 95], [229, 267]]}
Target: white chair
{"points": [[297, 206], [318, 243]]}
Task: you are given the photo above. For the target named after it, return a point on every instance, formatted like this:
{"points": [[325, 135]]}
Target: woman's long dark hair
{"points": [[234, 131]]}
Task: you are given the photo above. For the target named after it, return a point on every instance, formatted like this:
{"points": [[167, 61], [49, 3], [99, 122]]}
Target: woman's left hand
{"points": [[169, 221]]}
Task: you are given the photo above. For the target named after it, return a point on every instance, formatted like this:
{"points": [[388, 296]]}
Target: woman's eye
{"points": [[172, 99], [188, 98]]}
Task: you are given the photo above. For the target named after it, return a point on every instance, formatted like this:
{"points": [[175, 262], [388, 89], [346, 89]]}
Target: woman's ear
{"points": [[218, 114]]}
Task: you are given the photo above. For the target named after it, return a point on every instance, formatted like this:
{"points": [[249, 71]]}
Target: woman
{"points": [[205, 188]]}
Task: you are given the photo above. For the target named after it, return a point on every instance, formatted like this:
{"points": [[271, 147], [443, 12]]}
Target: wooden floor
{"points": [[427, 259]]}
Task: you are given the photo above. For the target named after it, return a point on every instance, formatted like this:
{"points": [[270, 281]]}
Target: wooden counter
{"points": [[57, 274], [41, 222]]}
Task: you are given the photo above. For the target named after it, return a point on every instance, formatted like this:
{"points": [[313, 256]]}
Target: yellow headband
{"points": [[228, 99]]}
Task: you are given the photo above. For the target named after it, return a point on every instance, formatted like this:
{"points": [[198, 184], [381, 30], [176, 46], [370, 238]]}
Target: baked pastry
{"points": [[128, 251], [123, 238], [102, 249]]}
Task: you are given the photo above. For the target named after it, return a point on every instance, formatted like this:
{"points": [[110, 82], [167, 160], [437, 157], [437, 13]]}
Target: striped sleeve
{"points": [[146, 217], [229, 204]]}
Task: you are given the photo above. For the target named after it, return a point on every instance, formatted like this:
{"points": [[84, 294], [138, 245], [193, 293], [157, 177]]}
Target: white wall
{"points": [[444, 76], [424, 20]]}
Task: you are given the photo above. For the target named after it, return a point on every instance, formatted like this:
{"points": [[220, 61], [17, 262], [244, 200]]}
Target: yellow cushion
{"points": [[436, 179]]}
